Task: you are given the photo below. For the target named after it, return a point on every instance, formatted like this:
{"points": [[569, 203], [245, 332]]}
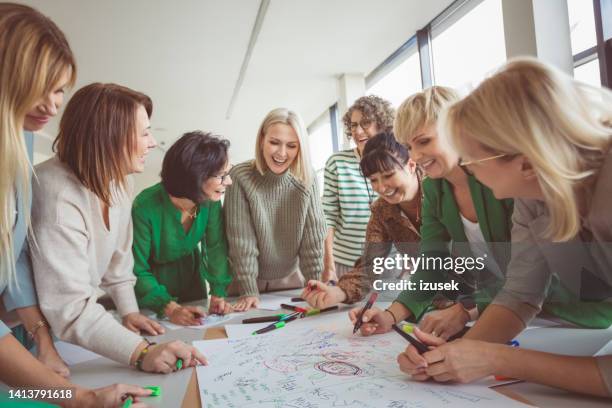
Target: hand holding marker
{"points": [[367, 306]]}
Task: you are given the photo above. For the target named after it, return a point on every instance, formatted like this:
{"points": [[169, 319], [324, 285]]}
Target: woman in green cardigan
{"points": [[179, 238]]}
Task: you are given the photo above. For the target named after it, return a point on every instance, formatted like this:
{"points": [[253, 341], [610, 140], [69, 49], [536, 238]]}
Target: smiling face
{"points": [[507, 176], [432, 154], [280, 147], [144, 140], [214, 187], [47, 106], [396, 185], [362, 129]]}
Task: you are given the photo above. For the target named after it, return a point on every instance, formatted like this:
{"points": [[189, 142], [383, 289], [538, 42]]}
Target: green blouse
{"points": [[171, 264]]}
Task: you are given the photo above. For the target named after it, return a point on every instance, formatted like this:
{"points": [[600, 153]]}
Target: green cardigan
{"points": [[168, 262], [442, 228], [442, 234]]}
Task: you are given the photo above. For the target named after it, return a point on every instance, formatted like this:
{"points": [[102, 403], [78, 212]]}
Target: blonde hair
{"points": [[560, 125], [35, 55], [300, 168], [421, 109]]}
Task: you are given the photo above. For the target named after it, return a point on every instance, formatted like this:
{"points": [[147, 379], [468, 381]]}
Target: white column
{"points": [[538, 28], [350, 88]]}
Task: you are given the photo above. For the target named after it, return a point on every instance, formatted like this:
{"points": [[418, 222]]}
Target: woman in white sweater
{"points": [[82, 224]]}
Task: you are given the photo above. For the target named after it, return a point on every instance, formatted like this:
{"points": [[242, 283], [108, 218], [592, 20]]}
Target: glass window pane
{"points": [[321, 147], [399, 83], [472, 47], [588, 73], [582, 25]]}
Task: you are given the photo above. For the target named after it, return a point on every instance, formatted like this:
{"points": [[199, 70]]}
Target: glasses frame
{"points": [[223, 176], [364, 124], [468, 163]]}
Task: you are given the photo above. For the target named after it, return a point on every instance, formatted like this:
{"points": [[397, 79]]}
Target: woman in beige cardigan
{"points": [[81, 217], [536, 135]]}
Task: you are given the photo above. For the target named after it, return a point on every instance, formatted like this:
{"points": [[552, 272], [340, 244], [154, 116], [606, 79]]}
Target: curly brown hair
{"points": [[374, 108]]}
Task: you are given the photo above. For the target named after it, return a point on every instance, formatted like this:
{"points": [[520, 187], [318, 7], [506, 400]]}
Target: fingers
{"points": [[416, 359], [368, 329], [427, 324], [130, 326], [199, 357], [370, 315], [433, 356], [134, 390], [427, 338], [197, 311], [408, 366], [151, 327]]}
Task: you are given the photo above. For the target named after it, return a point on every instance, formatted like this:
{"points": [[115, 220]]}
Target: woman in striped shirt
{"points": [[347, 195]]}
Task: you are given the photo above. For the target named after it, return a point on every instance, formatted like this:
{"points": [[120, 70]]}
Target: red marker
{"points": [[294, 308]]}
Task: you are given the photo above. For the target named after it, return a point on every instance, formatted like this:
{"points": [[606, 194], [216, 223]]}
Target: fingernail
{"points": [[365, 319]]}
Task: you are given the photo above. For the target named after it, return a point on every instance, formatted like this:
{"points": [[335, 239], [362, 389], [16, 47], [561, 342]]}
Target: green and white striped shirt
{"points": [[346, 204]]}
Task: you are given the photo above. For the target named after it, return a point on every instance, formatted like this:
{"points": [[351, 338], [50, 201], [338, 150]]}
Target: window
{"points": [[588, 73], [321, 146], [582, 25], [467, 47], [400, 82], [584, 41]]}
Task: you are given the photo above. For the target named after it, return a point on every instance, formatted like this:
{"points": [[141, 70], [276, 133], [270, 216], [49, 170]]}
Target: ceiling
{"points": [[187, 56]]}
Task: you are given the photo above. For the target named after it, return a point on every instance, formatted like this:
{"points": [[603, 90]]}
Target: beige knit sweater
{"points": [[274, 225], [75, 254]]}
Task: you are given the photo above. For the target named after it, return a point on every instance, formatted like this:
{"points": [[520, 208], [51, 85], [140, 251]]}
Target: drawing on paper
{"points": [[306, 367]]}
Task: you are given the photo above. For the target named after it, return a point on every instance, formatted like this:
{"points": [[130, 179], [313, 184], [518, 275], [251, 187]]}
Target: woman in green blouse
{"points": [[179, 238]]}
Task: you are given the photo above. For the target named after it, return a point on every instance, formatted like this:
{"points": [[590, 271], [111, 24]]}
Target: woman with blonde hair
{"points": [[532, 133], [37, 66], [274, 220], [81, 216]]}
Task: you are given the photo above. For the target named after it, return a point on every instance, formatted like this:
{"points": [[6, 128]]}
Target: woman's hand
{"points": [[137, 322], [413, 363], [115, 395], [246, 302], [162, 358], [184, 315], [375, 320], [446, 322], [218, 305], [49, 356], [460, 360], [320, 295]]}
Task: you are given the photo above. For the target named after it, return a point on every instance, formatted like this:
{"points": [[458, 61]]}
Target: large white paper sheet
{"points": [[306, 365], [73, 354]]}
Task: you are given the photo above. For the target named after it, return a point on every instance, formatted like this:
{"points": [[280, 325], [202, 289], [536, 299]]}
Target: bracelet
{"points": [[143, 354], [37, 325], [392, 315]]}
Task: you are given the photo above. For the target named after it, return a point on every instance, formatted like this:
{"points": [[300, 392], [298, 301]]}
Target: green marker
{"points": [[408, 328], [155, 390], [128, 402], [269, 328], [179, 363]]}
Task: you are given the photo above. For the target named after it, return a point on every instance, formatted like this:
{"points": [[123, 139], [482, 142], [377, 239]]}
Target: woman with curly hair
{"points": [[347, 195]]}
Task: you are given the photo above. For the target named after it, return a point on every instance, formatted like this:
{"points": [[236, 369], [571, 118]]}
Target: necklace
{"points": [[193, 212]]}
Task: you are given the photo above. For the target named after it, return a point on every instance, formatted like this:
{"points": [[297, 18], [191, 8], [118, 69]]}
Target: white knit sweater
{"points": [[75, 254]]}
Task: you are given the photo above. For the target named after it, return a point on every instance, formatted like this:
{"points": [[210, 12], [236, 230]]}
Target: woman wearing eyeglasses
{"points": [[532, 133], [347, 195], [179, 238]]}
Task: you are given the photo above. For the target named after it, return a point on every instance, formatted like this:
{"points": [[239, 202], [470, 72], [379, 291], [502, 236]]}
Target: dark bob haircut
{"points": [[383, 153], [190, 161]]}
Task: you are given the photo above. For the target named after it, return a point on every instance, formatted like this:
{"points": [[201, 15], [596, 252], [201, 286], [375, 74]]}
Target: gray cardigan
{"points": [[583, 265]]}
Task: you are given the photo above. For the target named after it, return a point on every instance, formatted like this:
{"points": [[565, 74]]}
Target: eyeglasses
{"points": [[223, 176], [363, 124], [464, 164]]}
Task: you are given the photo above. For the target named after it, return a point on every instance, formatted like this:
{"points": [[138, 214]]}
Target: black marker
{"points": [[421, 348]]}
